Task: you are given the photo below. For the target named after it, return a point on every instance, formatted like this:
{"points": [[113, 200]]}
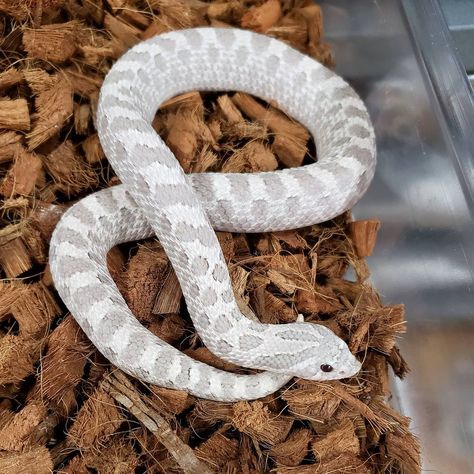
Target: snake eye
{"points": [[327, 368]]}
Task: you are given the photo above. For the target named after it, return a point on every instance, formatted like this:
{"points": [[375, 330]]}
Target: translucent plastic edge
{"points": [[449, 83]]}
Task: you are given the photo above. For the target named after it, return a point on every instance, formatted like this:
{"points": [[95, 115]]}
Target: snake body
{"points": [[157, 198]]}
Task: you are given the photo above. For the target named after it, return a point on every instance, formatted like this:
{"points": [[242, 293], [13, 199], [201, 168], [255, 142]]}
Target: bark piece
{"points": [[93, 149], [261, 18], [14, 115], [96, 421], [86, 85], [379, 329], [18, 10], [187, 133], [227, 245], [168, 299], [26, 172], [171, 401], [342, 439], [35, 310], [53, 107], [252, 157], [10, 77], [117, 456], [271, 309], [14, 435], [290, 137], [145, 278], [17, 356], [36, 460], [170, 327], [10, 143], [44, 216], [292, 29], [231, 11], [311, 403], [312, 14], [404, 450], [364, 236], [135, 18], [217, 450], [63, 364], [82, 115], [317, 301], [189, 100], [293, 450], [128, 35], [123, 392], [69, 171], [158, 26], [290, 272], [14, 256], [54, 43], [254, 419]]}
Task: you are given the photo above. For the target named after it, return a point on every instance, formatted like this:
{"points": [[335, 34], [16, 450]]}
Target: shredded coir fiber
{"points": [[63, 407]]}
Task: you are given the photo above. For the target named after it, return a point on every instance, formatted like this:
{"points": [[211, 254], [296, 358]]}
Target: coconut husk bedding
{"points": [[63, 407]]}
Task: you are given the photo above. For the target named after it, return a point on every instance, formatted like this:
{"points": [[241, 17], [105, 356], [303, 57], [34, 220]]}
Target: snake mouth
{"points": [[351, 369]]}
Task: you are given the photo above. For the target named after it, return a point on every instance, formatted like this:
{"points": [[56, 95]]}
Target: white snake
{"points": [[156, 197]]}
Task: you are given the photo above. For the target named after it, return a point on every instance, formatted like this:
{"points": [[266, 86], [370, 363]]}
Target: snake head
{"points": [[317, 353], [331, 359]]}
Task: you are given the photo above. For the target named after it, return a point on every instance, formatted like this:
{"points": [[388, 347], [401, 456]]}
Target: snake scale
{"points": [[158, 198]]}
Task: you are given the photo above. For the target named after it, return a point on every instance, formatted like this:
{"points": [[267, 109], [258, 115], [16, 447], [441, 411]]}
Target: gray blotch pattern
{"points": [[157, 198]]}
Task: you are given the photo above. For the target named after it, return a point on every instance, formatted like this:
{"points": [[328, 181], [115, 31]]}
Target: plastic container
{"points": [[399, 56]]}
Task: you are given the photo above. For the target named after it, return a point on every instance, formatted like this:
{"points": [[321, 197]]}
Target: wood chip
{"points": [[145, 277], [69, 171], [93, 149], [26, 172], [293, 450], [217, 450], [35, 310], [121, 390], [290, 142], [168, 299], [342, 439], [271, 309], [53, 107], [261, 18], [96, 421], [255, 420], [54, 43], [15, 434], [364, 236], [82, 116], [17, 356], [14, 255], [63, 364], [10, 142], [9, 78], [128, 35], [172, 401], [14, 114], [252, 157], [36, 460], [118, 454]]}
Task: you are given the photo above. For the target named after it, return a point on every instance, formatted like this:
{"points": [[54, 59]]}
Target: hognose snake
{"points": [[157, 198]]}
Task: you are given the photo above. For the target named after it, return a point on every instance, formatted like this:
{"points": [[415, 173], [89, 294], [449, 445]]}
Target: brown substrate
{"points": [[62, 405]]}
